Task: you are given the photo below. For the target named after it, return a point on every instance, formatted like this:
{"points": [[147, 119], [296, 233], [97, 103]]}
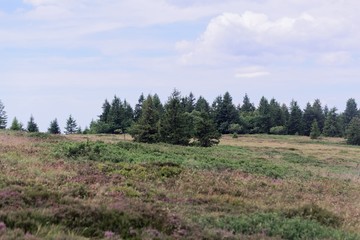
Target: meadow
{"points": [[107, 187]]}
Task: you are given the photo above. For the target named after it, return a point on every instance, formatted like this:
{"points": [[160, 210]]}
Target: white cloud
{"points": [[335, 58], [251, 72]]}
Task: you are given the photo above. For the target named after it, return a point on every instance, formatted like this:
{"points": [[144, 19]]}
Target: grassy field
{"points": [[106, 187]]}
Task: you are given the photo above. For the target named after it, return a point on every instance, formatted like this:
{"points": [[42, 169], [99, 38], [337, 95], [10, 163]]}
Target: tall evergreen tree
{"points": [[173, 125], [16, 125], [54, 127], [32, 126], [319, 114], [263, 120], [353, 132], [158, 105], [224, 112], [205, 131], [188, 103], [138, 107], [71, 126], [202, 105], [147, 128], [247, 106], [350, 112], [308, 119], [277, 117], [3, 116], [295, 124], [104, 117], [332, 128]]}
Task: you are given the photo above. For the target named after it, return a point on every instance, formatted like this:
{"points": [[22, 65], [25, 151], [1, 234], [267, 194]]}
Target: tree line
{"points": [[186, 120]]}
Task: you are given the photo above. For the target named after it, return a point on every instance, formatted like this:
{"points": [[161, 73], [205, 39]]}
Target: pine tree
{"points": [[3, 117], [173, 125], [71, 126], [315, 130], [32, 126], [295, 124], [353, 132], [332, 127], [16, 125], [54, 127], [147, 128], [204, 129]]}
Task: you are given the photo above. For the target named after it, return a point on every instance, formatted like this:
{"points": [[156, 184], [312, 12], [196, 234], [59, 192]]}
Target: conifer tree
{"points": [[188, 103], [138, 107], [315, 130], [353, 132], [318, 114], [32, 126], [332, 127], [247, 106], [173, 125], [202, 105], [350, 112], [16, 125], [147, 128], [104, 117], [308, 119], [71, 126], [295, 124], [224, 112], [54, 127], [3, 117], [205, 131]]}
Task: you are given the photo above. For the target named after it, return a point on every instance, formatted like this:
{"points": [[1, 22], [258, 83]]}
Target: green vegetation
{"points": [[250, 187]]}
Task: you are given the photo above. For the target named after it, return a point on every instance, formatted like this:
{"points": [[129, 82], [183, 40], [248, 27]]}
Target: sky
{"points": [[62, 57]]}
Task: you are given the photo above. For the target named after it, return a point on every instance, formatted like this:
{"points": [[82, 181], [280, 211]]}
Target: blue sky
{"points": [[62, 57]]}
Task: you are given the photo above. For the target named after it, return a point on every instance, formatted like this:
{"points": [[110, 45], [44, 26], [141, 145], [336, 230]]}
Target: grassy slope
{"points": [[253, 187]]}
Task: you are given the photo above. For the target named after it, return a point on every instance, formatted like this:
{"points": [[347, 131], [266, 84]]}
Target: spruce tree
{"points": [[315, 130], [205, 131], [247, 106], [332, 127], [104, 117], [3, 117], [173, 125], [32, 126], [318, 114], [138, 107], [295, 124], [16, 125], [308, 119], [224, 112], [54, 127], [188, 103], [202, 105], [71, 126], [350, 112], [353, 132], [263, 119], [146, 129]]}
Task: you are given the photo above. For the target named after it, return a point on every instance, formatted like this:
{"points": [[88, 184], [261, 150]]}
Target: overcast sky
{"points": [[62, 57]]}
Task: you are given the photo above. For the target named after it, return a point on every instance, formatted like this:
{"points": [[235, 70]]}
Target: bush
{"points": [[278, 130]]}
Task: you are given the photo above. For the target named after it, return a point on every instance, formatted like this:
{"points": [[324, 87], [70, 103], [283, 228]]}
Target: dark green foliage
{"points": [[277, 116], [247, 106], [138, 107], [202, 105], [32, 126], [3, 116], [16, 125], [332, 127], [295, 124], [104, 117], [71, 126], [315, 130], [205, 131], [263, 119], [353, 132], [188, 103], [147, 128], [174, 128], [319, 114], [54, 127], [308, 118], [224, 113], [350, 112]]}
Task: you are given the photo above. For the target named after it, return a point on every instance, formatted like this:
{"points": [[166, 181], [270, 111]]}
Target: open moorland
{"points": [[105, 187]]}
